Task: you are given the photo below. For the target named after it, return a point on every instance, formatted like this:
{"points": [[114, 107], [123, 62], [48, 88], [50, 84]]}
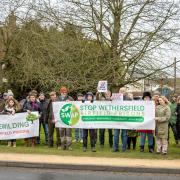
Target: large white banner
{"points": [[105, 114], [18, 126]]}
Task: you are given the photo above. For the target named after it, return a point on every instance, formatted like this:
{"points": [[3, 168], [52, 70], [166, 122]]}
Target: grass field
{"points": [[173, 150]]}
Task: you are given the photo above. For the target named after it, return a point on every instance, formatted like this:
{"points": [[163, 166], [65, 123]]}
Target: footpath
{"points": [[90, 163]]}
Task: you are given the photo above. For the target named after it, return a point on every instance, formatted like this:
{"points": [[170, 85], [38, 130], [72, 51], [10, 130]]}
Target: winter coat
{"points": [[178, 120], [178, 111], [173, 118], [132, 133], [32, 106], [43, 107], [164, 114], [49, 116], [2, 104]]}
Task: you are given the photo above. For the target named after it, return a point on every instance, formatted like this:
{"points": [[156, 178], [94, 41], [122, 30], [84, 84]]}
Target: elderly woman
{"points": [[163, 114]]}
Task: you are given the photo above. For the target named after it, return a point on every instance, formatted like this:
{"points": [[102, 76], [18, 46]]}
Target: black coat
{"points": [[43, 108]]}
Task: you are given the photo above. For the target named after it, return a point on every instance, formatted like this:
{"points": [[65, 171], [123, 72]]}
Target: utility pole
{"points": [[175, 64]]}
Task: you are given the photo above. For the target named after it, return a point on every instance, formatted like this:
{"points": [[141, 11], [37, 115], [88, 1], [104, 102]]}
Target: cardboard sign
{"points": [[117, 97], [102, 86]]}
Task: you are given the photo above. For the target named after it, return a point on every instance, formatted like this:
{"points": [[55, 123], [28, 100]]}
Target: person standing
{"points": [[124, 136], [42, 120], [11, 109], [30, 106], [79, 132], [51, 122], [173, 118], [178, 119], [105, 97], [146, 133], [65, 133], [92, 133], [163, 114]]}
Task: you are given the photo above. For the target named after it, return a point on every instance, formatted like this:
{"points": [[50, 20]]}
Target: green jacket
{"points": [[173, 118], [164, 114]]}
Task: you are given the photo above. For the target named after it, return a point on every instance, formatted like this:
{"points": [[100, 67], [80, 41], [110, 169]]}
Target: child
{"points": [[132, 136], [10, 109]]}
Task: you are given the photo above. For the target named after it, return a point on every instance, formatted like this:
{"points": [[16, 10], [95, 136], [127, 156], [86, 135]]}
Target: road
{"points": [[42, 174]]}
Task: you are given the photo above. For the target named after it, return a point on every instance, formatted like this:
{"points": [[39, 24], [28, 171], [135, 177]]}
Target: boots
{"points": [[14, 144], [141, 148], [151, 149], [9, 144]]}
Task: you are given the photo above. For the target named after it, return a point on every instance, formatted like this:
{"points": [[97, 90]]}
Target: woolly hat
{"points": [[10, 94], [146, 94], [79, 95], [90, 93], [156, 93], [63, 90]]}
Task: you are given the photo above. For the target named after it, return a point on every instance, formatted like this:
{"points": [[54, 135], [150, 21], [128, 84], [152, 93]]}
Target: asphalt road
{"points": [[42, 174]]}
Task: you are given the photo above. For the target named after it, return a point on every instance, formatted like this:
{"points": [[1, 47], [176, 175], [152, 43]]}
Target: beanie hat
{"points": [[148, 94], [90, 93], [10, 94], [156, 93], [80, 95], [63, 90]]}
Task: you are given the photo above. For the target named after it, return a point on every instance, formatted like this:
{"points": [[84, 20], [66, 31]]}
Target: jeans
{"points": [[45, 127], [102, 135], [143, 139], [78, 134], [123, 138]]}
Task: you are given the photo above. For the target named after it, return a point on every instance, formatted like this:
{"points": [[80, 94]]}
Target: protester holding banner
{"points": [[92, 133], [132, 134], [11, 109], [79, 132], [10, 95], [163, 114], [51, 122], [65, 134], [178, 119], [104, 96], [122, 91], [146, 133], [30, 106], [42, 120]]}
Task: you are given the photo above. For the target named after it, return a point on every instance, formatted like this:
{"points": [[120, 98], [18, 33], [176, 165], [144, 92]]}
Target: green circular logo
{"points": [[69, 114]]}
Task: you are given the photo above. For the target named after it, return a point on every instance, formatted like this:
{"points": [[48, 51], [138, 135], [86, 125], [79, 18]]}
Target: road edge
{"points": [[89, 167]]}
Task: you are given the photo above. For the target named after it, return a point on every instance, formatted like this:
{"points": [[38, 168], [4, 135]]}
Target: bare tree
{"points": [[133, 35]]}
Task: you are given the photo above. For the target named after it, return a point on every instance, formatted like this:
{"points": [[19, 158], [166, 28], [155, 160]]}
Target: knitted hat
{"points": [[10, 94], [156, 93], [79, 95], [146, 94], [90, 93], [63, 90]]}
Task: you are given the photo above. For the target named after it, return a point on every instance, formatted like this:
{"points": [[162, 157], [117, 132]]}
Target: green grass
{"points": [[173, 150]]}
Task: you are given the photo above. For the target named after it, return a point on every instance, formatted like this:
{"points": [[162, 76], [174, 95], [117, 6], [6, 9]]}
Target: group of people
{"points": [[167, 116]]}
